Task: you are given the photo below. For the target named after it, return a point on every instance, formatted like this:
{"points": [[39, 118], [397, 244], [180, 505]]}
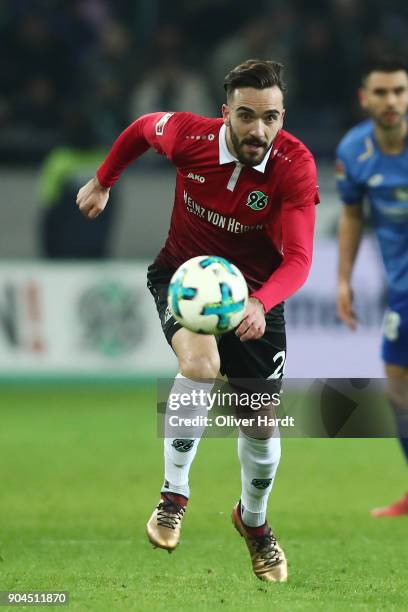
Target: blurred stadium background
{"points": [[80, 343], [73, 75]]}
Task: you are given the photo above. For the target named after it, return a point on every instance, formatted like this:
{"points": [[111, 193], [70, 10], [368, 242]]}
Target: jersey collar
{"points": [[226, 157]]}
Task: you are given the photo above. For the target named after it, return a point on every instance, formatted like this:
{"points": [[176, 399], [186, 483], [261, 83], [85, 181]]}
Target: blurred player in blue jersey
{"points": [[372, 164]]}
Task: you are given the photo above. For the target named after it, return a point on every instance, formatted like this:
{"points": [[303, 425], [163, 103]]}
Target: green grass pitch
{"points": [[80, 471]]}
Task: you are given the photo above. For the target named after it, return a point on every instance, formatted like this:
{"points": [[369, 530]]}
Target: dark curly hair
{"points": [[255, 73]]}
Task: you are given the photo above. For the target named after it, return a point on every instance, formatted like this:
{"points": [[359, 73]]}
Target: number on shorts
{"points": [[280, 358], [392, 321]]}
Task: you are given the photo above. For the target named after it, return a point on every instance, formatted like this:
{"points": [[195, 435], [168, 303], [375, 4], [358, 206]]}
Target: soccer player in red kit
{"points": [[246, 190]]}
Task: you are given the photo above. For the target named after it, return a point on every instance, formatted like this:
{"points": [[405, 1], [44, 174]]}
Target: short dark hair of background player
{"points": [[383, 64]]}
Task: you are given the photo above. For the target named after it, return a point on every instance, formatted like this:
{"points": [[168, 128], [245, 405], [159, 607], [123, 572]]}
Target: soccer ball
{"points": [[208, 295]]}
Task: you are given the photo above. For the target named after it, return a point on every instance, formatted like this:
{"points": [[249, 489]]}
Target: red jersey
{"points": [[260, 218]]}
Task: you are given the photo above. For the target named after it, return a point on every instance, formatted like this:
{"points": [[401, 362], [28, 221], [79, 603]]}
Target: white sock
{"points": [[180, 451], [259, 462]]}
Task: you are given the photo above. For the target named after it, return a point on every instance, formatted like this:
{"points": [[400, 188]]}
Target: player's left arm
{"points": [[299, 197]]}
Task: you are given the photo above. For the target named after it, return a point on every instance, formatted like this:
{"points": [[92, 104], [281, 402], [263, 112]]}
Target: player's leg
{"points": [[198, 365], [253, 363], [259, 458], [397, 393], [395, 356]]}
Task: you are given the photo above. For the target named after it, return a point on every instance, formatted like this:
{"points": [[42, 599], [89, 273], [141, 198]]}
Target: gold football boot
{"points": [[268, 559], [164, 526]]}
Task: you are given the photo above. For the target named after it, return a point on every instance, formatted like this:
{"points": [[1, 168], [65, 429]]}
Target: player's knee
{"points": [[261, 424], [201, 365]]}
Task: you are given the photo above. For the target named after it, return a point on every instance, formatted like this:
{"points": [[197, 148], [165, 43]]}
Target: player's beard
{"points": [[397, 124], [248, 159]]}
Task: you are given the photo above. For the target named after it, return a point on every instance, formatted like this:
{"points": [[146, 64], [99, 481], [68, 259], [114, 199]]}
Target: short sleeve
{"points": [[351, 192]]}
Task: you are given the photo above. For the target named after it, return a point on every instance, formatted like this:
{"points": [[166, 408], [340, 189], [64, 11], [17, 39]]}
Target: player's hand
{"points": [[344, 305], [253, 324], [92, 198]]}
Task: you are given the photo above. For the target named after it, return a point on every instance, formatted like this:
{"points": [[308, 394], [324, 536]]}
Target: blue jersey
{"points": [[363, 171]]}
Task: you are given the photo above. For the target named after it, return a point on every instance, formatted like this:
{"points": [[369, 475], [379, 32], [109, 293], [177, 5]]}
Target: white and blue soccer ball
{"points": [[208, 295]]}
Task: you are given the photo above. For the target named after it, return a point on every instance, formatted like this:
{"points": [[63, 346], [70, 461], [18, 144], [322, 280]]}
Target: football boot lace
{"points": [[169, 513]]}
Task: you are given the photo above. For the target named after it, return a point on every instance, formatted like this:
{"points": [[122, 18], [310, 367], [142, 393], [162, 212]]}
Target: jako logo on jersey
{"points": [[196, 177], [375, 180], [161, 124], [257, 200]]}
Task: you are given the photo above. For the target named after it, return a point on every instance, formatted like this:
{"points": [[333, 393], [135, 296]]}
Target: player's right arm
{"points": [[349, 238], [350, 229], [157, 130], [92, 198]]}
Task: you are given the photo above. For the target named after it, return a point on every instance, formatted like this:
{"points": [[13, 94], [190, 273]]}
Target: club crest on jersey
{"points": [[375, 180], [257, 200]]}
